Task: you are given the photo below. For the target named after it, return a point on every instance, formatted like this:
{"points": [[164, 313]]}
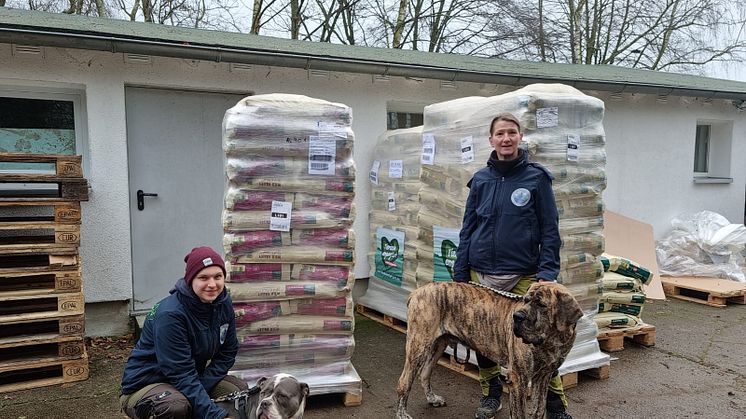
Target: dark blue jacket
{"points": [[181, 334], [510, 224]]}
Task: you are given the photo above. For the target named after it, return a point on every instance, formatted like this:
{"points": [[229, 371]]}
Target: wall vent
{"points": [[448, 85], [238, 67], [138, 59], [381, 78], [318, 74], [27, 50]]}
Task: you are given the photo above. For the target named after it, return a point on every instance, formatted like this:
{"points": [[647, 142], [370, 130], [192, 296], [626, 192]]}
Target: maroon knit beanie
{"points": [[200, 258]]}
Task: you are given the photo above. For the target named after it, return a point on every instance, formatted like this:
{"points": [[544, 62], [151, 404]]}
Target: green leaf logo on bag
{"points": [[448, 255], [389, 251]]}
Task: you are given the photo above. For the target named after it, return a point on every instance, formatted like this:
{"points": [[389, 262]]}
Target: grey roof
{"points": [[71, 31]]}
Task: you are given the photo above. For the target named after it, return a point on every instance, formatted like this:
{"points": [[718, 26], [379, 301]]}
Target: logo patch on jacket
{"points": [[520, 197], [223, 332]]}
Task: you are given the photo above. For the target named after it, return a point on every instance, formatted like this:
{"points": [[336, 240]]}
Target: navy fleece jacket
{"points": [[510, 225], [180, 336]]}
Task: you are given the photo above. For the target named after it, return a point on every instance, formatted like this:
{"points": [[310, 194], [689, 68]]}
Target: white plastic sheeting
{"points": [[703, 244]]}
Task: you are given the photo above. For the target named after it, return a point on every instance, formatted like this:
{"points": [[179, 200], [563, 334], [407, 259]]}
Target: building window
{"points": [[701, 149], [712, 151], [39, 124], [397, 120]]}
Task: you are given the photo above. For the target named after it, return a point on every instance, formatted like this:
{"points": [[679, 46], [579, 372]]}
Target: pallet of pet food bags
{"points": [[563, 131], [288, 239], [395, 184]]}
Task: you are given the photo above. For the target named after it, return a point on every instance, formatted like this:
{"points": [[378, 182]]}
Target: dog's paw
{"points": [[401, 414], [436, 401]]}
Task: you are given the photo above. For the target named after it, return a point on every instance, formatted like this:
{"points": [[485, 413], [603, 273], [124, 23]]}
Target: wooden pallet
{"points": [[67, 177], [42, 372], [353, 399], [42, 328], [468, 369], [571, 379], [34, 307], [386, 320], [42, 346], [63, 212], [15, 284], [65, 165], [12, 263], [713, 292], [23, 237], [612, 340]]}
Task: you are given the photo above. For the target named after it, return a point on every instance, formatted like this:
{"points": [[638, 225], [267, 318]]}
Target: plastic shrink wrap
{"points": [[395, 183], [563, 131], [288, 239], [703, 244]]}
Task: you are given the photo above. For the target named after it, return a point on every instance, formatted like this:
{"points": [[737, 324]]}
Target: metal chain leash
{"points": [[506, 294]]}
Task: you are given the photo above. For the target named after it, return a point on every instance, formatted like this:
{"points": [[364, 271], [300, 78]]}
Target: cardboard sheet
{"points": [[632, 239]]}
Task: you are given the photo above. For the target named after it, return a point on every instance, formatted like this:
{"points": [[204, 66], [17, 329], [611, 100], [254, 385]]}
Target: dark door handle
{"points": [[140, 200]]}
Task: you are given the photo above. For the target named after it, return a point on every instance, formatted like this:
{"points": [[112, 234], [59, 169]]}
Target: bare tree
{"points": [[85, 7], [679, 35]]}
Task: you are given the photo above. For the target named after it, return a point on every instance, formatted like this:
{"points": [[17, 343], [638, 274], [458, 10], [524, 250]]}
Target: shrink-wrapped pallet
{"points": [[563, 131], [395, 183], [288, 239]]}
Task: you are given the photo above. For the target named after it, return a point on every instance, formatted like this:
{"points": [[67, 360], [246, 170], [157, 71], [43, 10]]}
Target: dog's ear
{"points": [[304, 389], [570, 312], [261, 382]]}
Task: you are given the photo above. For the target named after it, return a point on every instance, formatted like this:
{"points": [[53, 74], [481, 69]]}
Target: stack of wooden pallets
{"points": [[42, 327]]}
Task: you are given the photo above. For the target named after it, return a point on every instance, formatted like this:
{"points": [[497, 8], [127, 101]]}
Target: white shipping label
{"points": [[334, 128], [322, 154], [573, 147], [392, 201], [467, 150], [281, 212], [428, 149], [374, 172], [547, 117], [396, 167]]}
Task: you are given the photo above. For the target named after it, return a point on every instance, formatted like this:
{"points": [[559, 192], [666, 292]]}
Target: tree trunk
{"points": [[575, 9], [256, 17], [147, 10], [542, 45], [348, 20], [101, 8], [294, 19], [399, 25]]}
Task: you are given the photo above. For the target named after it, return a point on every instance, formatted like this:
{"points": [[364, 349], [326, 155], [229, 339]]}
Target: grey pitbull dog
{"points": [[279, 397], [531, 334]]}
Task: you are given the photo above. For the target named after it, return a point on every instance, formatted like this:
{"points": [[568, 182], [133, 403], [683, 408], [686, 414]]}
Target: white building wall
{"points": [[650, 159], [650, 145], [102, 77]]}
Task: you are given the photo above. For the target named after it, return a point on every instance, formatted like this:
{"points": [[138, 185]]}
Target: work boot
{"points": [[488, 407], [490, 404], [556, 410]]}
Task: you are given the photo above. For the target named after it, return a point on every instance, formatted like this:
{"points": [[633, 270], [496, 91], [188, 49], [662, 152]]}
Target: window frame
{"points": [[697, 141], [719, 152], [76, 96]]}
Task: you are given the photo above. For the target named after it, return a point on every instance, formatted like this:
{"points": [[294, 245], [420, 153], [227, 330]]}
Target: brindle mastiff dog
{"points": [[531, 334]]}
